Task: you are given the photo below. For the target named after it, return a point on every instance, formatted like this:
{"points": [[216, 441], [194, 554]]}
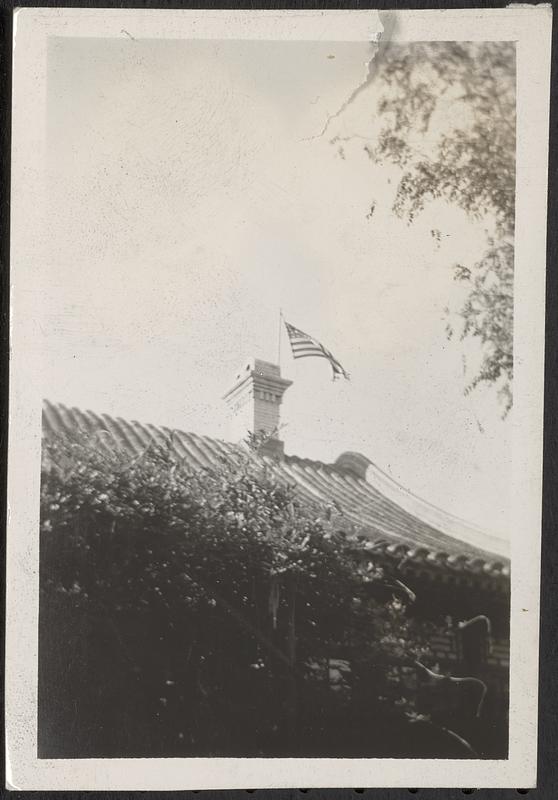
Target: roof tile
{"points": [[390, 527]]}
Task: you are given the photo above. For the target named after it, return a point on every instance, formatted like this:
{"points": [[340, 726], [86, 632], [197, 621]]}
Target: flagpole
{"points": [[279, 337]]}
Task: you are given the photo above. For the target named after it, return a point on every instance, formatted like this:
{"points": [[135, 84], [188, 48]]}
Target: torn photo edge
{"points": [[530, 28]]}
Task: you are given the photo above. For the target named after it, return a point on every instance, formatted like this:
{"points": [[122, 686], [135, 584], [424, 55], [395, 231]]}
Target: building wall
{"points": [[445, 648]]}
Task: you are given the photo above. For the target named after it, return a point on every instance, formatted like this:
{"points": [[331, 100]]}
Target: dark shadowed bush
{"points": [[196, 613]]}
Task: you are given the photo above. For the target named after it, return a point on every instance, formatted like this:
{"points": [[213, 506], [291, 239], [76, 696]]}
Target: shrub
{"points": [[195, 611]]}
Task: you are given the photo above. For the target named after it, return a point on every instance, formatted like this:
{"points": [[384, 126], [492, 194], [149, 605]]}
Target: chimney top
{"points": [[262, 368], [254, 400]]}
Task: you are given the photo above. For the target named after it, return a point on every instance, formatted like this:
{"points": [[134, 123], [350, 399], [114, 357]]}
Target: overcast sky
{"points": [[192, 196]]}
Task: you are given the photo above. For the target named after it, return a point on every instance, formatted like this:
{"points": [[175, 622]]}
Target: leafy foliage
{"points": [[196, 612], [448, 120]]}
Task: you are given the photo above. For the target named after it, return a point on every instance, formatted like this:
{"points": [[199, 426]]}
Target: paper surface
{"points": [[43, 268]]}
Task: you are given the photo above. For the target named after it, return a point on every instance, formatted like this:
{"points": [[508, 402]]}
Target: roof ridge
{"points": [[433, 515], [426, 512], [385, 475]]}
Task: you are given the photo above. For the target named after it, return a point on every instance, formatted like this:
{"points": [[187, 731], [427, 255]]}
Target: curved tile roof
{"points": [[395, 521]]}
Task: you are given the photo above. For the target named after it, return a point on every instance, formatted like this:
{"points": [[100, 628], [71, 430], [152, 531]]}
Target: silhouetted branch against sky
{"points": [[447, 113]]}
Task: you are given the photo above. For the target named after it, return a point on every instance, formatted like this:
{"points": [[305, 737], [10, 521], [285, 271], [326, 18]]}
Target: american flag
{"points": [[305, 346]]}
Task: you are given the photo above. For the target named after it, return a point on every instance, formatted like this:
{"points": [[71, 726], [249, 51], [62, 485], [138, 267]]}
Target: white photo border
{"points": [[530, 28]]}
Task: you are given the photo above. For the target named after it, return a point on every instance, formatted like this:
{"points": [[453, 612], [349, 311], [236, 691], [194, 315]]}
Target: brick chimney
{"points": [[254, 401]]}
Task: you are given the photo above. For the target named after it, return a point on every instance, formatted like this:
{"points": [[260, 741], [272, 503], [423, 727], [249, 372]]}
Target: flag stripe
{"points": [[306, 349], [305, 346], [316, 350], [311, 355]]}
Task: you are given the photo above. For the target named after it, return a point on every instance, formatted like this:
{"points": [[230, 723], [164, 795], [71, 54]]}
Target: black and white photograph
{"points": [[272, 300]]}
